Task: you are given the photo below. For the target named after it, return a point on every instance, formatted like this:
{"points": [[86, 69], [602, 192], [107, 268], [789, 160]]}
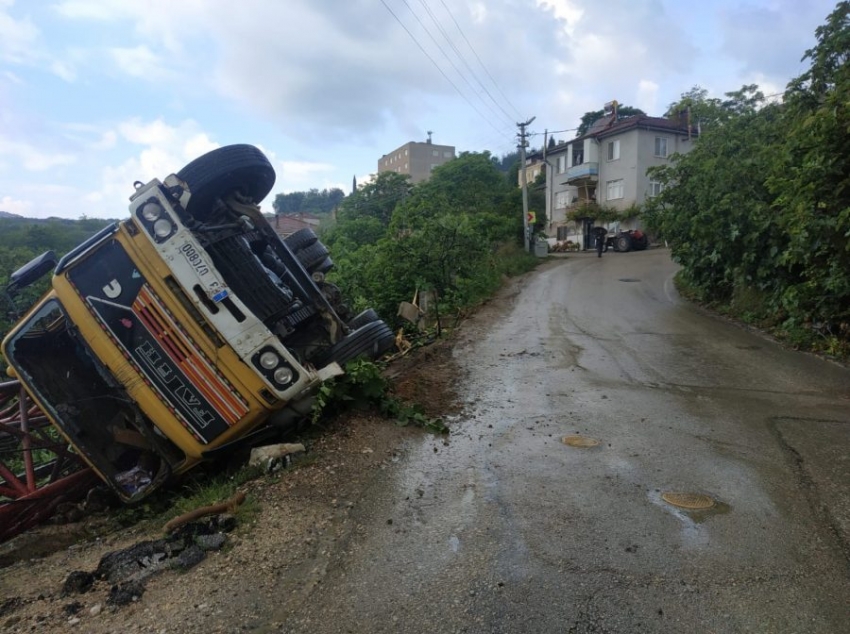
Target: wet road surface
{"points": [[503, 528]]}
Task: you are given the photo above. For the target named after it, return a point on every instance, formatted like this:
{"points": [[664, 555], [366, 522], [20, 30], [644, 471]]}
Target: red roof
{"points": [[285, 225]]}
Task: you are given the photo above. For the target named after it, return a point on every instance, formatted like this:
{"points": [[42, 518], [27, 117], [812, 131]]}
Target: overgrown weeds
{"points": [[363, 386]]}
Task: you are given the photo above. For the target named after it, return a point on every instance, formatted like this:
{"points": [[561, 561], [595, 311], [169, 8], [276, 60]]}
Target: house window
{"points": [[405, 152], [433, 165], [405, 166], [447, 154], [562, 164], [614, 150], [654, 188], [562, 199], [614, 189], [435, 152], [661, 146]]}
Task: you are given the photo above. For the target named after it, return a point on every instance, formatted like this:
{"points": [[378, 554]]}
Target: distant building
{"points": [[608, 166], [416, 159], [287, 224]]}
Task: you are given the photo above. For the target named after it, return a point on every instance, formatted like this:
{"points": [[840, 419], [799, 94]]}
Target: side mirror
{"points": [[31, 272]]}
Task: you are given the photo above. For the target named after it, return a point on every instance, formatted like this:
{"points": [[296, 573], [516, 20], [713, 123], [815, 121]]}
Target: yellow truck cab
{"points": [[170, 336]]}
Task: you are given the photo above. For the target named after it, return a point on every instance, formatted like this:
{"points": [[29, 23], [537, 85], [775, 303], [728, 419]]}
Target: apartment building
{"points": [[416, 159]]}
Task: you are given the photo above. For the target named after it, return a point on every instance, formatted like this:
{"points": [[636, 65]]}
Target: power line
{"points": [[431, 59], [469, 44], [462, 58], [551, 132], [448, 59]]}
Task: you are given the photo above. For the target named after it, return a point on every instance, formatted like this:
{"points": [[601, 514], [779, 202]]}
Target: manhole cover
{"points": [[629, 279], [690, 501], [580, 441]]}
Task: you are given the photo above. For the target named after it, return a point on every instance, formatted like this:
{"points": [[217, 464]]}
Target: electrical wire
{"points": [[437, 66], [460, 56], [469, 44], [449, 59]]}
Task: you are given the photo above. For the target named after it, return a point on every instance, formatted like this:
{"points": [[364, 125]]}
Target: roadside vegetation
{"points": [[758, 213], [22, 239], [455, 235]]}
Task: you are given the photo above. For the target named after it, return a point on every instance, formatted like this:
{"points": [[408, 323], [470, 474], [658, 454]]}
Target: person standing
{"points": [[600, 243]]}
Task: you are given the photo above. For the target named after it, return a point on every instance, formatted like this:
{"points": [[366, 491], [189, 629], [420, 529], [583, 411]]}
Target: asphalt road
{"points": [[507, 529]]}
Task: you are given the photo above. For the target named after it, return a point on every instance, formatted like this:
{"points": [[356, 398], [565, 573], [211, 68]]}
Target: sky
{"points": [[98, 94]]}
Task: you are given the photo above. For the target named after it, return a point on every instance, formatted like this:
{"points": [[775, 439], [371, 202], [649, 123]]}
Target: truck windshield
{"points": [[86, 402]]}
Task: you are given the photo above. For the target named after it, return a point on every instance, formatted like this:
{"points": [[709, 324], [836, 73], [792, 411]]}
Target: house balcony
{"points": [[582, 174]]}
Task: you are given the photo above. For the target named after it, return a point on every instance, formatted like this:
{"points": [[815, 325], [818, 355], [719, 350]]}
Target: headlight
{"points": [[283, 376], [151, 211], [162, 228], [269, 360]]}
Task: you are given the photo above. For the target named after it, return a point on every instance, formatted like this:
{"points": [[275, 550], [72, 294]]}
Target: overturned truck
{"points": [[172, 336]]}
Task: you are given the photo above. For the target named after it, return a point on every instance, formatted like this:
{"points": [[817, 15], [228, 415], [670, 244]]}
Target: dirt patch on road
{"points": [[309, 518]]}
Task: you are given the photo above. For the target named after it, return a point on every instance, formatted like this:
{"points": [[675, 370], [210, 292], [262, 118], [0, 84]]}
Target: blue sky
{"points": [[97, 94]]}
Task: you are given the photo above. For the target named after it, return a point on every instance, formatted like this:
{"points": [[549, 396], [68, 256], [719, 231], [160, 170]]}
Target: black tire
{"points": [[326, 265], [371, 340], [312, 256], [366, 317], [641, 243], [223, 171], [624, 243], [301, 239]]}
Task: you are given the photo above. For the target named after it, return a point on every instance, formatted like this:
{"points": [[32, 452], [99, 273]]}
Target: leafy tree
{"points": [[446, 234], [312, 201], [364, 216], [715, 207], [506, 162], [377, 198], [758, 213], [812, 182], [289, 203]]}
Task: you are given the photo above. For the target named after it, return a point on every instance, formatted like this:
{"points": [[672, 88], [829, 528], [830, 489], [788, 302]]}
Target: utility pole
{"points": [[522, 145]]}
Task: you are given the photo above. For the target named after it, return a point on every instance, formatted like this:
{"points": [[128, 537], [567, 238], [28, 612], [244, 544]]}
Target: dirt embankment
{"points": [[308, 517]]}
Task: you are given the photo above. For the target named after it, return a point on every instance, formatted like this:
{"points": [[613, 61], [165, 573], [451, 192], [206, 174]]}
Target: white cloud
{"points": [[302, 175], [12, 77], [165, 149], [18, 38], [64, 70], [20, 207], [32, 158], [647, 96], [140, 62]]}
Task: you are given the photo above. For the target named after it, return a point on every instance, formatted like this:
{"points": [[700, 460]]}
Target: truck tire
{"points": [[366, 317], [312, 256], [624, 243], [326, 265], [228, 169], [371, 340], [301, 239], [639, 244]]}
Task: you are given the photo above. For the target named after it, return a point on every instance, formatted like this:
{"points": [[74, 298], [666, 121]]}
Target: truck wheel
{"points": [[301, 239], [641, 243], [326, 265], [312, 256], [228, 169], [371, 340], [624, 242], [366, 317]]}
